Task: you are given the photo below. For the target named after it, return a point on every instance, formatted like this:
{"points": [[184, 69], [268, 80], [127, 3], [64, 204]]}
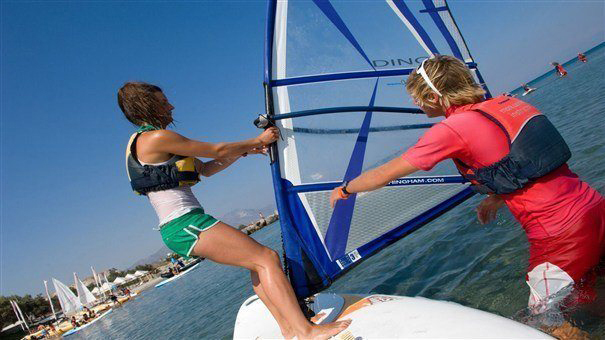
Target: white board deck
{"points": [[177, 276], [387, 316]]}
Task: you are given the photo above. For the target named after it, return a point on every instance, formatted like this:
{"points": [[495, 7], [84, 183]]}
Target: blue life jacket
{"points": [[179, 171]]}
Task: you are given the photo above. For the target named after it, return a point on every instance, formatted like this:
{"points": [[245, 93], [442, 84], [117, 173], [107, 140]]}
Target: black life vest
{"points": [[179, 171], [536, 148]]}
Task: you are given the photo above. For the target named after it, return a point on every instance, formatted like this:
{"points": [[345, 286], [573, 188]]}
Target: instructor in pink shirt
{"points": [[508, 150]]}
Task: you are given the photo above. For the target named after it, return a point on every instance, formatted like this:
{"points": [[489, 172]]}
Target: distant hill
{"points": [[155, 257], [233, 218]]}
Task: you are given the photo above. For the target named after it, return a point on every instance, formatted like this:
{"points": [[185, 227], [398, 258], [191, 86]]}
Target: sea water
{"points": [[453, 258]]}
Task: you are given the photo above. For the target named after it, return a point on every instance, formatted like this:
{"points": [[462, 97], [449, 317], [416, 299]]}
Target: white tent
{"points": [[140, 273], [70, 303], [96, 291], [118, 281], [106, 287], [130, 277]]}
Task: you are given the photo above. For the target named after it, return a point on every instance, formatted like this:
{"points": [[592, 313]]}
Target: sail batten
{"points": [[329, 71]]}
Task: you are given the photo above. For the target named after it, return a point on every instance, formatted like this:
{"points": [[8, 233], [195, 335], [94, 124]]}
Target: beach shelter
{"points": [[119, 280], [130, 277], [106, 287], [140, 273]]}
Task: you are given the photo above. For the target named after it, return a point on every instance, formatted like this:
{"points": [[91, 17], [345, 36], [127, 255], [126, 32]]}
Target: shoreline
{"points": [[149, 284]]}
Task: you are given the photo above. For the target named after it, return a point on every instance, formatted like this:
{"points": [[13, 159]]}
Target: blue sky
{"points": [[66, 203]]}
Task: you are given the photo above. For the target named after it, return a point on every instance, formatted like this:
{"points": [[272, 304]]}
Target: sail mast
{"points": [[17, 314], [50, 301], [97, 281]]}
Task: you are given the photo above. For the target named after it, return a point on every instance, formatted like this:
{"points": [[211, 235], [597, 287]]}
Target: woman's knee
{"points": [[267, 258]]}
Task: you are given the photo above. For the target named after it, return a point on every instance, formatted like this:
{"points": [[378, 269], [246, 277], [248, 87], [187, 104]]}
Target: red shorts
{"points": [[572, 257]]}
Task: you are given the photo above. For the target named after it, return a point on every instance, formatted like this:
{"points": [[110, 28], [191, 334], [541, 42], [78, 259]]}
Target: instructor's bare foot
{"points": [[319, 332], [568, 331]]}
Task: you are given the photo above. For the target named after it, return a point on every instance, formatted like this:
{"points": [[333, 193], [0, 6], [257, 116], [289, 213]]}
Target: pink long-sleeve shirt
{"points": [[544, 208]]}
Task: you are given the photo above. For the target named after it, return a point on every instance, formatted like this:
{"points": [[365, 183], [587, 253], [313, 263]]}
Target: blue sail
{"points": [[330, 68]]}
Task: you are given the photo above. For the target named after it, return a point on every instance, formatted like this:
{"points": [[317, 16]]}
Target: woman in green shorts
{"points": [[162, 165]]}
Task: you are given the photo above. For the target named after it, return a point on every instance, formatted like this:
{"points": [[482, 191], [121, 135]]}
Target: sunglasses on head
{"points": [[420, 70]]}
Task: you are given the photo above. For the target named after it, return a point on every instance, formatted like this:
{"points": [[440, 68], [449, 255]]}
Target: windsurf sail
{"points": [[328, 67]]}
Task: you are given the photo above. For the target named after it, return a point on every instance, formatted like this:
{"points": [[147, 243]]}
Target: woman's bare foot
{"points": [[287, 333], [326, 331]]}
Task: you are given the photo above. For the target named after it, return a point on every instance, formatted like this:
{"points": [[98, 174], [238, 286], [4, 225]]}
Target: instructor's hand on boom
{"points": [[375, 178], [337, 195]]}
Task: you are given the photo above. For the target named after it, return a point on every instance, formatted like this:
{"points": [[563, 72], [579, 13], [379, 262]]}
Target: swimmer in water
{"points": [[559, 70]]}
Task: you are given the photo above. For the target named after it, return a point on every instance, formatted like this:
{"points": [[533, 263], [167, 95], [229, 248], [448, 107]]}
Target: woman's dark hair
{"points": [[140, 105]]}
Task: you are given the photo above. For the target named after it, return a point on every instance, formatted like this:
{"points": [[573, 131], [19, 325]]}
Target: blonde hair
{"points": [[451, 77]]}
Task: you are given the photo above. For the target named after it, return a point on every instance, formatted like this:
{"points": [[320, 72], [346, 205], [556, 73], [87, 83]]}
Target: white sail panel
{"points": [[70, 303], [85, 296]]}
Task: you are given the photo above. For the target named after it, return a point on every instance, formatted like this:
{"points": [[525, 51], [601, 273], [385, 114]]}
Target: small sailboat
{"points": [[184, 272], [77, 329], [328, 65], [72, 304]]}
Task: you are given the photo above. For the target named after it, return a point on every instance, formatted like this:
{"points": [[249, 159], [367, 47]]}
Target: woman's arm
{"points": [[171, 142], [214, 166], [375, 178]]}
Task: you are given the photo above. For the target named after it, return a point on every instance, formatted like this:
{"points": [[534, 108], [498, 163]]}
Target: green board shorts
{"points": [[181, 234]]}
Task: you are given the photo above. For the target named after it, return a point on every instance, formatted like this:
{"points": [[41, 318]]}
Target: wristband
{"points": [[342, 194], [344, 187]]}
